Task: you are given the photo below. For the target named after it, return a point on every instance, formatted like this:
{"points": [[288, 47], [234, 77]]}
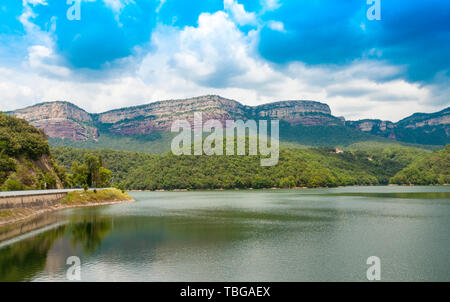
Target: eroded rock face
{"points": [[371, 125], [65, 120], [160, 115], [65, 128], [418, 120], [60, 120], [421, 128], [53, 110]]}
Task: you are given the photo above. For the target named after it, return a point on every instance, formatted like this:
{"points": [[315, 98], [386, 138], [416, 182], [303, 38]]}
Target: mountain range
{"points": [[302, 122]]}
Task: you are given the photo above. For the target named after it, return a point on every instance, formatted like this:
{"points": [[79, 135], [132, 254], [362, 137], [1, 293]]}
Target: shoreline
{"points": [[276, 188], [30, 213]]}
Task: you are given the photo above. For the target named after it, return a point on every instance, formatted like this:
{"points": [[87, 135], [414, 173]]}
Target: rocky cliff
{"points": [[160, 115], [419, 128], [376, 127], [60, 119], [65, 120]]}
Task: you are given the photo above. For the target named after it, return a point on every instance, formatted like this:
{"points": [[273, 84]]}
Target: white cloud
{"points": [[239, 14], [42, 60], [271, 4], [276, 25], [214, 57], [34, 2], [117, 5]]}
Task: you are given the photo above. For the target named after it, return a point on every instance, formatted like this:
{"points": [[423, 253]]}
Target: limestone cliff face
{"points": [[160, 115], [418, 120], [60, 120], [421, 128], [376, 127], [175, 109], [65, 120], [297, 112]]}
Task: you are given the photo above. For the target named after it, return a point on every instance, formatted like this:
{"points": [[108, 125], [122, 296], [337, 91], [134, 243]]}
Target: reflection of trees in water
{"points": [[89, 233], [22, 260]]}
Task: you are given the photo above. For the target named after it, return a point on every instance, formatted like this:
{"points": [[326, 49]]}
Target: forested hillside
{"points": [[428, 170], [317, 167], [25, 161]]}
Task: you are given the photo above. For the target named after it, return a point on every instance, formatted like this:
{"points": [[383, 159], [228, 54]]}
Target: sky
{"points": [[364, 60]]}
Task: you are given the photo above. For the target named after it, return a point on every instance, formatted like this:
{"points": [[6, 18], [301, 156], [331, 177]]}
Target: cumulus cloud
{"points": [[239, 13], [213, 57]]}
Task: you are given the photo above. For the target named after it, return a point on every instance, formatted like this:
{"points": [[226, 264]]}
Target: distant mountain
{"points": [[60, 120], [160, 115], [65, 120], [145, 127], [419, 128]]}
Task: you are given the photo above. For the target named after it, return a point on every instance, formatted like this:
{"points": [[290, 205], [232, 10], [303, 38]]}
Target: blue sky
{"points": [[130, 52]]}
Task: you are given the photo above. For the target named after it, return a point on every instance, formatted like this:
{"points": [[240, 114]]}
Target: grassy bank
{"points": [[100, 196]]}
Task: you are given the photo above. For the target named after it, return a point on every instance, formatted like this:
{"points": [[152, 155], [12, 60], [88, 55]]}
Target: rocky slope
{"points": [[60, 119], [65, 120], [419, 128], [160, 115]]}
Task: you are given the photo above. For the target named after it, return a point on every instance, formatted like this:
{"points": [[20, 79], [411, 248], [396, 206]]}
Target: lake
{"points": [[260, 235]]}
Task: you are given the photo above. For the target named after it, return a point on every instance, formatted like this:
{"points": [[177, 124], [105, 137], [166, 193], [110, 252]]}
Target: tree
{"points": [[104, 177], [79, 174], [91, 173]]}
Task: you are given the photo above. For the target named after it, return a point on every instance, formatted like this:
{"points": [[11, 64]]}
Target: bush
{"points": [[13, 184]]}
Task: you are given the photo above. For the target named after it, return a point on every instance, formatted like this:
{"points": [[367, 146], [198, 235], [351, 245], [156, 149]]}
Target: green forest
{"points": [[27, 162], [429, 170], [314, 167]]}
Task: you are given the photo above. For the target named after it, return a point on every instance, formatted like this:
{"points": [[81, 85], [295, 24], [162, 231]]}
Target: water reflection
{"points": [[21, 261], [283, 235], [405, 195], [89, 233]]}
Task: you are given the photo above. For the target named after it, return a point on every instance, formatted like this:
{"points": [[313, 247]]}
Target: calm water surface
{"points": [[272, 235]]}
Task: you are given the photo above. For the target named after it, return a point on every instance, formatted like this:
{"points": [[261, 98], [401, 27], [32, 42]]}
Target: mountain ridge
{"points": [[64, 120]]}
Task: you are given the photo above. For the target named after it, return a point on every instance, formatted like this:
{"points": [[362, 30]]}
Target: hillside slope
{"points": [[419, 128], [433, 169], [25, 161], [296, 168]]}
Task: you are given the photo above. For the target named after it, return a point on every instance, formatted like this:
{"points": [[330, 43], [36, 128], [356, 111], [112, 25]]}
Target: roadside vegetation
{"points": [[25, 161], [95, 196], [27, 164]]}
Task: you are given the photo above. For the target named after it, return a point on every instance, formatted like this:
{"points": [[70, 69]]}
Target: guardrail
{"points": [[36, 198]]}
